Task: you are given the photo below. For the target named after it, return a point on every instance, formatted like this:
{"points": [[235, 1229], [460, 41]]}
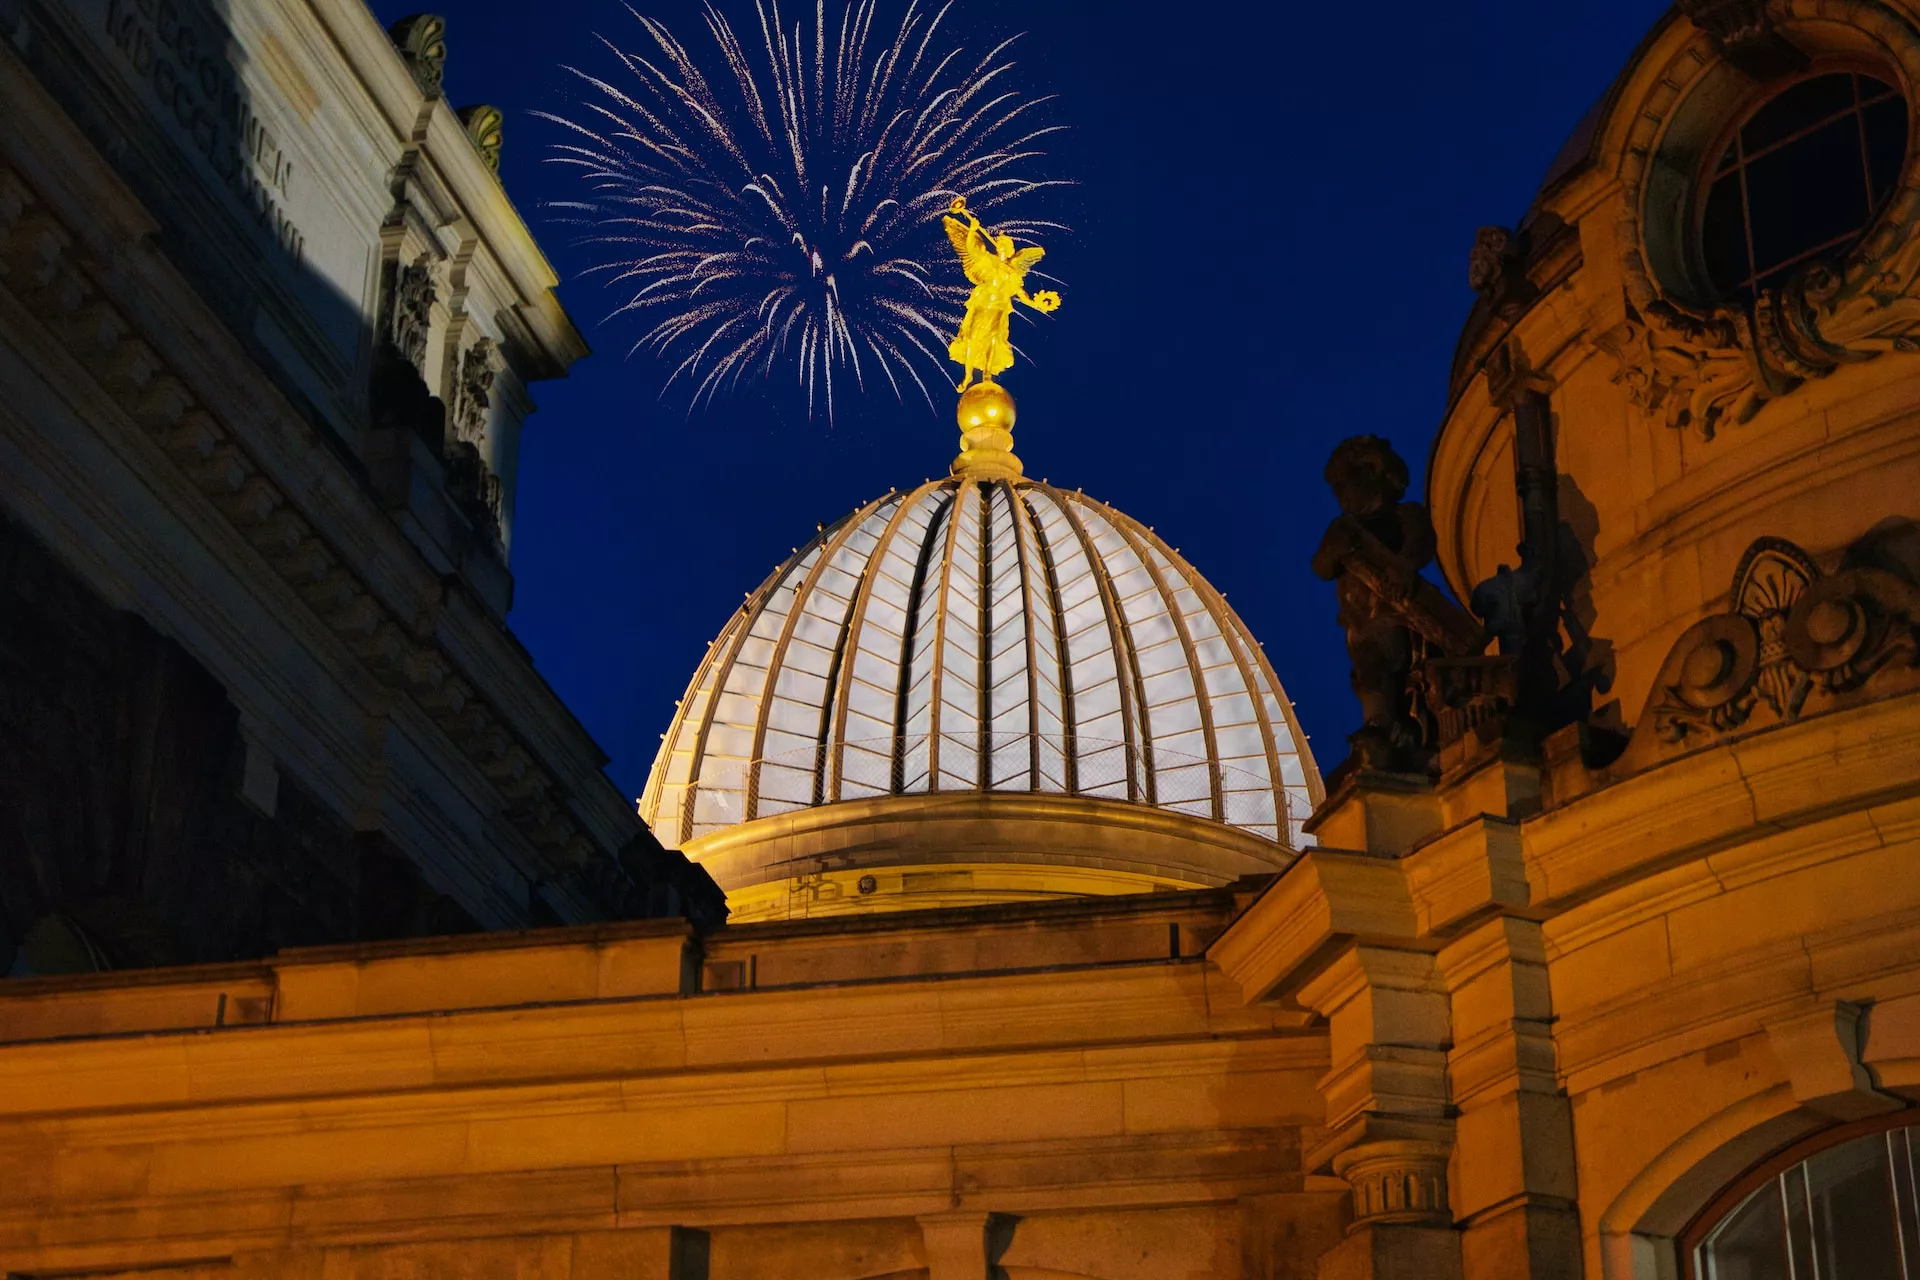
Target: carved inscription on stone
{"points": [[181, 55]]}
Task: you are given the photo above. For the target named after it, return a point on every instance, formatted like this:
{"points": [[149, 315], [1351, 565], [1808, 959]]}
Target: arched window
{"points": [[1803, 175], [1840, 1207]]}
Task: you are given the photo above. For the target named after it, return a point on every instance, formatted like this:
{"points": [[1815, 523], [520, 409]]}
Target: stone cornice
{"points": [[1697, 822], [432, 126], [121, 312], [1322, 902], [1722, 796], [611, 1010]]}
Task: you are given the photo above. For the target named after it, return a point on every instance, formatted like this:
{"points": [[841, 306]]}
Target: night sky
{"points": [[1271, 225]]}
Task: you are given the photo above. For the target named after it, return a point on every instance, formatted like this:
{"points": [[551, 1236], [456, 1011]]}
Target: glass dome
{"points": [[984, 634]]}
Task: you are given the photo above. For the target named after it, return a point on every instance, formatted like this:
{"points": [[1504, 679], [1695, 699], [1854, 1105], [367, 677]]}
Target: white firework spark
{"points": [[782, 206]]}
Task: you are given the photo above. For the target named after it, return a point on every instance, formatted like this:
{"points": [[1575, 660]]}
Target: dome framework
{"points": [[984, 634]]}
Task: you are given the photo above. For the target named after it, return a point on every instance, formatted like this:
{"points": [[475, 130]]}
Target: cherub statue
{"points": [[1373, 553], [998, 276]]}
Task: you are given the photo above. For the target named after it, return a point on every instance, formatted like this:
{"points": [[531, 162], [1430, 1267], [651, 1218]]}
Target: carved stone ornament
{"points": [[1684, 378], [1402, 1180], [1705, 367], [1497, 271], [1744, 33], [414, 293], [475, 391], [485, 126], [1792, 639], [421, 39]]}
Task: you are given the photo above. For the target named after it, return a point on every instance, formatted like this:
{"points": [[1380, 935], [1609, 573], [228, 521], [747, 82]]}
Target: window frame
{"points": [[1735, 1193], [1708, 171]]}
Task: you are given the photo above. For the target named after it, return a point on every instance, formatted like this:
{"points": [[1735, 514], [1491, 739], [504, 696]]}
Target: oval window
{"points": [[1802, 176]]}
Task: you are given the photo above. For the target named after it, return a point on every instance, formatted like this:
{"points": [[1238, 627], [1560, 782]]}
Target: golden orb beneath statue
{"points": [[986, 440], [985, 404]]}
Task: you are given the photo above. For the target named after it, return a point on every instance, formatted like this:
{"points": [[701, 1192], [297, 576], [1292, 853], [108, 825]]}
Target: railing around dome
{"points": [[1032, 763]]}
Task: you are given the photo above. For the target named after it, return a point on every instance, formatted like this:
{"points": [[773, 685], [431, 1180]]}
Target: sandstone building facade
{"points": [[1599, 956]]}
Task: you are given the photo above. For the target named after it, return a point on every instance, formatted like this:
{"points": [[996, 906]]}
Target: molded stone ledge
{"points": [[1461, 876], [1711, 799], [117, 1003], [1323, 901], [348, 982], [1384, 813]]}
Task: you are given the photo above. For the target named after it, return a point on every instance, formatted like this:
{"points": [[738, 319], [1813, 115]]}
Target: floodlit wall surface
{"points": [[815, 1100]]}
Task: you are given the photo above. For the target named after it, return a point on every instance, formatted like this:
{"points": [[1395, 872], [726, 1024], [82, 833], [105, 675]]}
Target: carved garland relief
{"points": [[1704, 367]]}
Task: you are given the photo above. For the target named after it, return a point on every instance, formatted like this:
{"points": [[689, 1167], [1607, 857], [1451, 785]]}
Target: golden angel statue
{"points": [[998, 276]]}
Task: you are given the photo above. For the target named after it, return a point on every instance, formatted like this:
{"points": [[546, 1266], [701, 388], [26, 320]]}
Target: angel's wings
{"points": [[1023, 261], [975, 258]]}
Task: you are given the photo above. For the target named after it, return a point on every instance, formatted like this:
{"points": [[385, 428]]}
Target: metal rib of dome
{"points": [[983, 634]]}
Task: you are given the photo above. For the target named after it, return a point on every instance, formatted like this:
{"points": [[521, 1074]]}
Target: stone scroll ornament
{"points": [[485, 127], [421, 39], [1794, 640], [1708, 367]]}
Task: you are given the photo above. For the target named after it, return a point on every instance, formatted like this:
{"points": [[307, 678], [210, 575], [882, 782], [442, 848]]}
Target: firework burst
{"points": [[778, 207]]}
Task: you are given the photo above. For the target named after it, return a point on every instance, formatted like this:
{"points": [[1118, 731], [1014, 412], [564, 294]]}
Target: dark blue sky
{"points": [[1271, 233]]}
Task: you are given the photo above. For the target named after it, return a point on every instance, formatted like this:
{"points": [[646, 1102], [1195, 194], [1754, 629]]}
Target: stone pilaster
{"points": [[1514, 1185], [1389, 1134], [1388, 1031], [956, 1245]]}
